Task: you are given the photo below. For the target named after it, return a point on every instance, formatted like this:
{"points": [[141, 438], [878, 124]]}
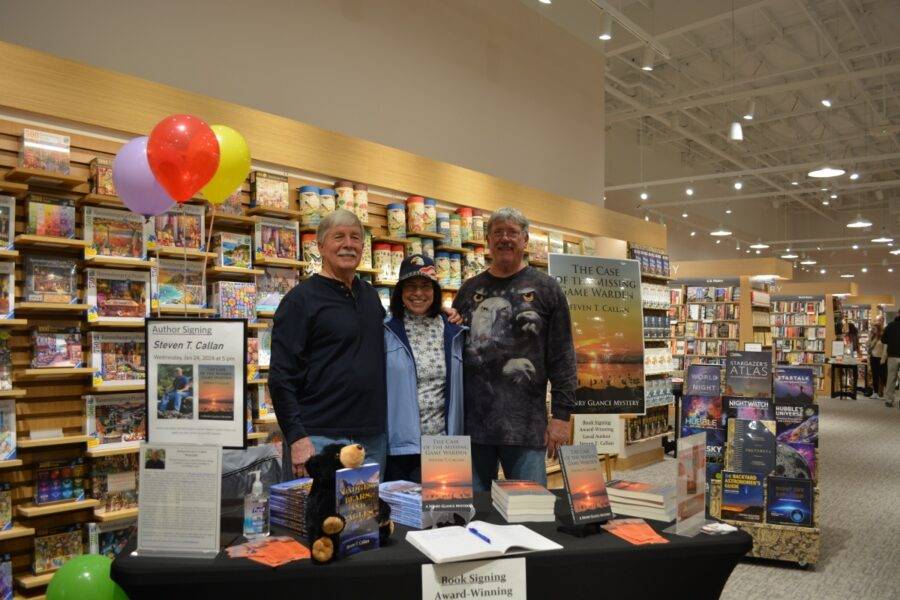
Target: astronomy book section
{"points": [[134, 354], [761, 425]]}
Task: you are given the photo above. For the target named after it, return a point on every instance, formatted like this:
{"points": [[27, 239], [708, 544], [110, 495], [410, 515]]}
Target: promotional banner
{"points": [[196, 381], [608, 329]]}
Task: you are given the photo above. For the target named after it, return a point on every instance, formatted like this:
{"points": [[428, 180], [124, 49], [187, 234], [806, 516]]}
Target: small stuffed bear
{"points": [[324, 524]]}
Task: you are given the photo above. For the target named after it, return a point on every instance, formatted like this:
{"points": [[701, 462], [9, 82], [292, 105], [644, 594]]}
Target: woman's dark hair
{"points": [[397, 307]]}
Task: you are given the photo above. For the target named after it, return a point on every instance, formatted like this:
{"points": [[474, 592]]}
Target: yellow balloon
{"points": [[234, 165]]}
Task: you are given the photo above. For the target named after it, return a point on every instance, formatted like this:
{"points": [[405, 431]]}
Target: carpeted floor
{"points": [[859, 512]]}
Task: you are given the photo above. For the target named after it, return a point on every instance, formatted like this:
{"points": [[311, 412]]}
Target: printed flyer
{"points": [[604, 297], [196, 381]]}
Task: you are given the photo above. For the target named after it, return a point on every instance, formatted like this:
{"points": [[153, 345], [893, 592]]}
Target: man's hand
{"points": [[557, 435], [453, 315], [301, 450]]}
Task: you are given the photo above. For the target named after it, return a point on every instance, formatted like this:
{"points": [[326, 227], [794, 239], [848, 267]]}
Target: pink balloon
{"points": [[135, 182]]}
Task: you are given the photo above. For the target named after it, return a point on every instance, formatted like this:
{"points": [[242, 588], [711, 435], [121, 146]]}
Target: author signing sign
{"points": [[196, 379], [608, 329]]}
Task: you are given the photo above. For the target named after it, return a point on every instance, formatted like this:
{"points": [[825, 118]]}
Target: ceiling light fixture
{"points": [[825, 202], [606, 27], [689, 191], [822, 271], [718, 241], [758, 251], [727, 211], [644, 195], [738, 185], [545, 1], [826, 102], [865, 269], [788, 255], [825, 171], [684, 215], [693, 233], [736, 132], [834, 196], [895, 252], [720, 232], [883, 237], [890, 269], [646, 217], [848, 275], [854, 176], [759, 245], [859, 222], [747, 251], [751, 110], [647, 62], [808, 261], [855, 246]]}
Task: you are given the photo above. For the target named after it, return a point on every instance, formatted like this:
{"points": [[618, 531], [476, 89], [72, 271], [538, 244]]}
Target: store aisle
{"points": [[859, 484]]}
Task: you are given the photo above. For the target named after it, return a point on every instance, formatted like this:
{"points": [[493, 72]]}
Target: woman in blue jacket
{"points": [[423, 352]]}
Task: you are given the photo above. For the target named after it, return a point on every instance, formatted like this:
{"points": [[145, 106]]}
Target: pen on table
{"points": [[474, 531]]}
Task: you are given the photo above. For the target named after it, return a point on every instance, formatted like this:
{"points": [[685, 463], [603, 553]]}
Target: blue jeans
{"points": [[174, 397], [375, 446], [518, 462]]}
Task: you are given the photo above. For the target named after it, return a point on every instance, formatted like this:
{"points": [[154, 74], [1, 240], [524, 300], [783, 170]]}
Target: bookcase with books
{"points": [[704, 320], [97, 414], [802, 329]]}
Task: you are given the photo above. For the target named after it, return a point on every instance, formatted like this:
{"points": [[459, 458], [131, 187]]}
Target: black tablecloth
{"points": [[600, 565]]}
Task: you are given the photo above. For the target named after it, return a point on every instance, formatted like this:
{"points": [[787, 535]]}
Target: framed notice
{"points": [[196, 381], [179, 508]]}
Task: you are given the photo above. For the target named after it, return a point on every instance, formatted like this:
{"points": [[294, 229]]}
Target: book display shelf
{"points": [[802, 330], [51, 400], [704, 320]]}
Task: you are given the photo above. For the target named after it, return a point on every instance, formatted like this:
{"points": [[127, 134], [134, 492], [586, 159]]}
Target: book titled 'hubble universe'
{"points": [[748, 374]]}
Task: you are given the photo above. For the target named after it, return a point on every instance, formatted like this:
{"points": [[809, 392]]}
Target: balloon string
{"points": [[184, 266], [212, 220], [158, 270]]}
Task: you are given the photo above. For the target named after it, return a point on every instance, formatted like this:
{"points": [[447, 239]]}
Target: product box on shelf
{"points": [[7, 290], [50, 280], [177, 283], [115, 233], [8, 447], [234, 300], [116, 295], [109, 539], [102, 177], [118, 358], [181, 226], [7, 221], [6, 511], [277, 238], [55, 546], [273, 285], [233, 250], [114, 482], [56, 347], [269, 190], [60, 481], [232, 205], [52, 217], [115, 420], [45, 151]]}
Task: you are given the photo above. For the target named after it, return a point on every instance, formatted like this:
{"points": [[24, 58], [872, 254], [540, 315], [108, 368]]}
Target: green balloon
{"points": [[85, 576]]}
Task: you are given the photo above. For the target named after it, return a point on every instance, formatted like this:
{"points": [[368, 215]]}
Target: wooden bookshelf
{"points": [[14, 322], [30, 511], [119, 262], [42, 178], [383, 239], [98, 452], [30, 582], [102, 200], [258, 435], [257, 326], [114, 324], [10, 464], [115, 515], [109, 387], [51, 441], [428, 235], [11, 188], [8, 254], [534, 262], [368, 271], [178, 311], [475, 244], [278, 213], [49, 242], [13, 393], [265, 314], [235, 221], [17, 531], [452, 249], [54, 307], [54, 373], [183, 253], [237, 272], [264, 381], [271, 261]]}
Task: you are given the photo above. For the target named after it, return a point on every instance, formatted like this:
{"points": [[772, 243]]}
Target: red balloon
{"points": [[183, 154]]}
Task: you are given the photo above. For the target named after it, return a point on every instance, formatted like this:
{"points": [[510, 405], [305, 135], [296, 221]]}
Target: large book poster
{"points": [[604, 297], [690, 494], [196, 381], [748, 374]]}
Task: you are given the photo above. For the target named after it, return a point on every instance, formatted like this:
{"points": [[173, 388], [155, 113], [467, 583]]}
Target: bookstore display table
{"points": [[599, 565], [843, 380]]}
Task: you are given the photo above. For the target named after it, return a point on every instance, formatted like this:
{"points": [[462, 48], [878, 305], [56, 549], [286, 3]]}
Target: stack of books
{"points": [[644, 500], [521, 501], [287, 504], [405, 500]]}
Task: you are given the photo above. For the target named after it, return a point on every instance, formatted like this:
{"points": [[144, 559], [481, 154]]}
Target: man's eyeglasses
{"points": [[499, 234]]}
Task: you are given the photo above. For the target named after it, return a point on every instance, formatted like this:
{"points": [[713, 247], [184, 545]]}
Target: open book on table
{"points": [[477, 540]]}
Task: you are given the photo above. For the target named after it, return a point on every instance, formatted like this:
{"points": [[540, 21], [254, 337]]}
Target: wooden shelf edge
{"points": [[9, 464], [13, 322], [31, 511], [111, 261], [54, 441], [30, 582], [131, 387], [13, 393], [16, 531], [51, 307], [28, 239], [54, 372], [116, 515], [257, 435], [99, 451], [24, 175]]}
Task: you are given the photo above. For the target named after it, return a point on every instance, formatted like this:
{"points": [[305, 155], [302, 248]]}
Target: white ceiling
{"points": [[668, 129]]}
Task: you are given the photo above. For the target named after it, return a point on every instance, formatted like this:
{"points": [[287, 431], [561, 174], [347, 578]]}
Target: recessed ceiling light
{"points": [[895, 252], [727, 211], [689, 191], [826, 102], [848, 275], [855, 246], [684, 215], [644, 195], [693, 233], [825, 172], [647, 62], [890, 269], [854, 176], [825, 202], [822, 271], [759, 246], [738, 185], [859, 222], [606, 27], [720, 232], [751, 110], [789, 255], [758, 251], [808, 261], [545, 1], [646, 217], [718, 241], [865, 269]]}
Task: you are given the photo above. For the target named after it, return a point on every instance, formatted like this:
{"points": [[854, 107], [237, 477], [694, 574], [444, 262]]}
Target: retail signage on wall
{"points": [[196, 381], [604, 297]]}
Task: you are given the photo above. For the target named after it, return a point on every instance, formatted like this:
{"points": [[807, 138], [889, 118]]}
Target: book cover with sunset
{"points": [[604, 298], [585, 486], [216, 392], [446, 472], [742, 496]]}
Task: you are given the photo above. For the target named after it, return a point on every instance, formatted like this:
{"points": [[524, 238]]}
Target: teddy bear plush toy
{"points": [[323, 522]]}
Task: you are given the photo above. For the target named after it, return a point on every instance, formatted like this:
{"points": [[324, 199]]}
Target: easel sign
{"points": [[196, 381]]}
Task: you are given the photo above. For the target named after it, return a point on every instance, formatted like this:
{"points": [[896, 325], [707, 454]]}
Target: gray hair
{"points": [[507, 213], [338, 218]]}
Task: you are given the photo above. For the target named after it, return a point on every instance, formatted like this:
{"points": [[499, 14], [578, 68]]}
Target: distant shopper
{"points": [[891, 337], [851, 337], [875, 349], [423, 353], [520, 337], [326, 374]]}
